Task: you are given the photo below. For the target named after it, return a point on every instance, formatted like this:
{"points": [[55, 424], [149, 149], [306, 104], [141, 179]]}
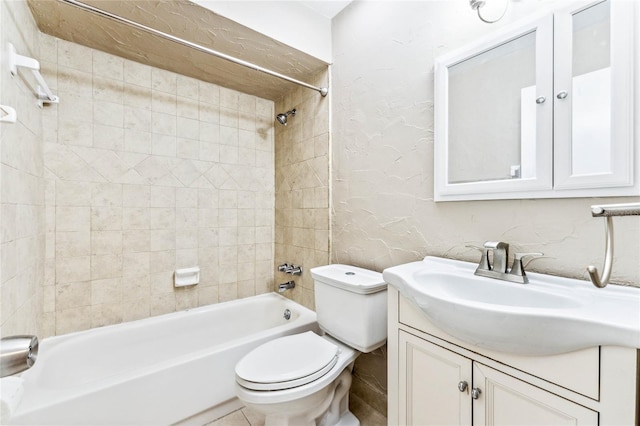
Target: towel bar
{"points": [[608, 211]]}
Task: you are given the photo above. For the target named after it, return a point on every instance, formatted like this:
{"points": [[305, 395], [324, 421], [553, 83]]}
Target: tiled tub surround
{"points": [[148, 171], [22, 210], [302, 187]]}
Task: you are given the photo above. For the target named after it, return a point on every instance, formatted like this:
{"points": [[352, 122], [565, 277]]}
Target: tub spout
{"points": [[17, 353], [286, 286]]}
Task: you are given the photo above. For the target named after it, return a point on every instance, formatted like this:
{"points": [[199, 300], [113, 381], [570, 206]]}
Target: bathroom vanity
{"points": [[437, 379], [470, 348]]}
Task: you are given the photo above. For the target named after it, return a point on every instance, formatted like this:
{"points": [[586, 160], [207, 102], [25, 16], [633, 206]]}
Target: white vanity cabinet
{"points": [[435, 379]]}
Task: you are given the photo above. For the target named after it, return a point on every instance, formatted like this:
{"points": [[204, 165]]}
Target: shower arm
{"points": [[608, 211], [96, 11]]}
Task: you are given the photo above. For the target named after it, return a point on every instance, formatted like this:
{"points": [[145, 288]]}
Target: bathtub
{"points": [[174, 368]]}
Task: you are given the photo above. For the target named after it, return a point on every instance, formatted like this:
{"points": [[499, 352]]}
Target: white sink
{"points": [[549, 315]]}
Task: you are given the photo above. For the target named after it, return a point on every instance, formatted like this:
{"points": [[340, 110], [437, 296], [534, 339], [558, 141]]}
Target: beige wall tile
{"points": [[135, 309], [71, 295], [137, 74], [207, 295], [142, 177], [106, 266], [72, 269], [72, 244], [106, 314], [162, 304], [106, 242], [301, 207], [106, 291], [137, 288], [73, 319]]}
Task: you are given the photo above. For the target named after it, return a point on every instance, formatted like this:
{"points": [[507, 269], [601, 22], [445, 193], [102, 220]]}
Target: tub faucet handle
{"points": [[284, 267], [294, 270]]}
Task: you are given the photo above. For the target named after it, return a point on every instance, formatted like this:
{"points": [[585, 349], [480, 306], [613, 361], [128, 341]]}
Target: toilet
{"points": [[304, 379]]}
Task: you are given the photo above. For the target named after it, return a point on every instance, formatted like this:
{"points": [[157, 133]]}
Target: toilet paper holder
{"points": [[17, 353]]}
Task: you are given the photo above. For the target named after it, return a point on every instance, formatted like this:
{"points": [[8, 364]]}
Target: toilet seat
{"points": [[287, 362]]}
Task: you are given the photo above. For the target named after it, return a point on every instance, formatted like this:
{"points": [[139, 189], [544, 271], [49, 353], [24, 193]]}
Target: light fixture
{"points": [[477, 5]]}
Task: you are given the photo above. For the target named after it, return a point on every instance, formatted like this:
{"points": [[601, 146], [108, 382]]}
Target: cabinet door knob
{"points": [[462, 386], [540, 99], [563, 94], [475, 393]]}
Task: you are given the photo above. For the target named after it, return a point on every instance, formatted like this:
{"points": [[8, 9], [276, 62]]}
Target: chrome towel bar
{"points": [[608, 211], [15, 61]]}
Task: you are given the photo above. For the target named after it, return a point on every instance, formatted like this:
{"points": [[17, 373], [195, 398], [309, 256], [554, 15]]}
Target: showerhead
{"points": [[282, 118]]}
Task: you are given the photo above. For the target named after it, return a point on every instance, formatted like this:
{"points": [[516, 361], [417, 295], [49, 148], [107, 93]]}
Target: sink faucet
{"points": [[500, 255], [499, 269]]}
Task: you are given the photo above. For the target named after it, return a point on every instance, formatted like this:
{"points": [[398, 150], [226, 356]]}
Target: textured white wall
{"points": [[383, 209]]}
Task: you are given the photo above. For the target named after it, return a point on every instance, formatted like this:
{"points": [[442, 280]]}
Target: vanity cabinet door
{"points": [[430, 383], [505, 400]]}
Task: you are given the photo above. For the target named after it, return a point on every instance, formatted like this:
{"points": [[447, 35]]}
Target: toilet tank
{"points": [[351, 305]]}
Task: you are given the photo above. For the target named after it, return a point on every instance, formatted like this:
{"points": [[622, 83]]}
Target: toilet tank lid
{"points": [[350, 278]]}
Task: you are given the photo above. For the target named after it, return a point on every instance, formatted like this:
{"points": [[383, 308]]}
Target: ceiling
{"points": [[326, 8], [190, 22]]}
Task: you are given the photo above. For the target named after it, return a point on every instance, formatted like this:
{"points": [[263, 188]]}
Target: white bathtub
{"points": [[175, 368]]}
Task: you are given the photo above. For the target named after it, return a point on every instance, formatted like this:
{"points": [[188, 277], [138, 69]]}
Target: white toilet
{"points": [[304, 379]]}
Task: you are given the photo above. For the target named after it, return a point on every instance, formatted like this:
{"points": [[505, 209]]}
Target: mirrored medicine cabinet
{"points": [[541, 109]]}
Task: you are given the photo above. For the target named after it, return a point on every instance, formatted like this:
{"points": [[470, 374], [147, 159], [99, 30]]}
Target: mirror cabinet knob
{"points": [[563, 94]]}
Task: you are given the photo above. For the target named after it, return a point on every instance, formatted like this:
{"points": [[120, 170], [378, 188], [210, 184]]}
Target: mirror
{"points": [[591, 82], [486, 106]]}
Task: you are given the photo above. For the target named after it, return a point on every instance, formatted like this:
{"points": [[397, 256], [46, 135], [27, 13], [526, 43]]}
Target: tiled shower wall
{"points": [[302, 187], [22, 236], [148, 171]]}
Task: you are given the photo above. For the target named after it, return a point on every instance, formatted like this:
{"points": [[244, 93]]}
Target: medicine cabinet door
{"points": [[493, 122], [593, 96]]}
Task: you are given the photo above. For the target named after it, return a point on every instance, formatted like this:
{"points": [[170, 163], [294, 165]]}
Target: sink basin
{"points": [[549, 315]]}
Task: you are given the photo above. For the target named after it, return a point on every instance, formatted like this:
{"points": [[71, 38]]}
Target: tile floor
{"points": [[247, 417], [243, 417]]}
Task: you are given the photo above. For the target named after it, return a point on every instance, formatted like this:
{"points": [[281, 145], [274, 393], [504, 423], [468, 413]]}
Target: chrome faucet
{"points": [[499, 269], [290, 269], [500, 255], [286, 286]]}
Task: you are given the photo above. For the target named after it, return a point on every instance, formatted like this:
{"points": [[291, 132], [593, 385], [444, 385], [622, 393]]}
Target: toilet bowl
{"points": [[304, 379], [317, 396]]}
